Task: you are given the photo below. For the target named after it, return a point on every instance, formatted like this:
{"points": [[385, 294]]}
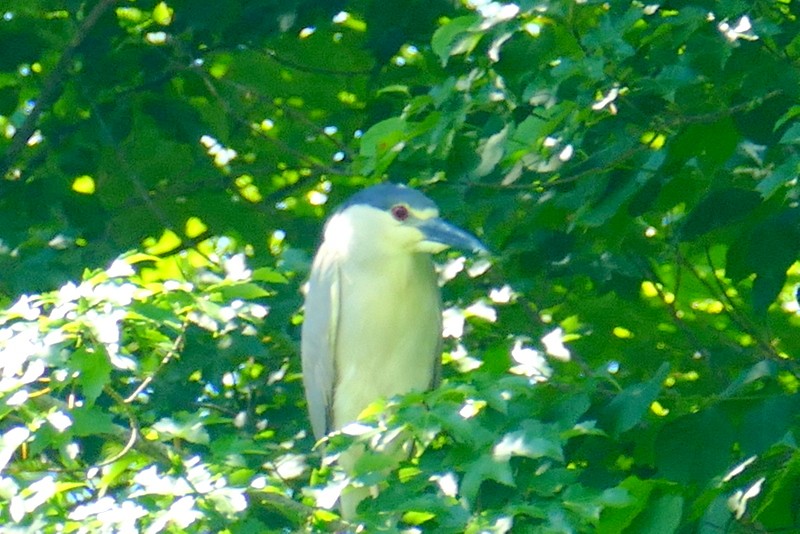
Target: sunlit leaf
{"points": [[486, 467], [271, 276], [446, 37], [190, 429], [94, 370]]}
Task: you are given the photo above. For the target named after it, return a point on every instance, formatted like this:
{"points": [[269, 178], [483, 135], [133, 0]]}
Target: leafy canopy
{"points": [[628, 363]]}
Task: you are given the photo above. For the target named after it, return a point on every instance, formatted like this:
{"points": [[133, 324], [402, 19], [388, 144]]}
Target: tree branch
{"points": [[51, 88]]}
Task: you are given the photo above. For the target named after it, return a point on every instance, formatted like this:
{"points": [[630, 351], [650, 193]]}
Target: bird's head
{"points": [[394, 219]]}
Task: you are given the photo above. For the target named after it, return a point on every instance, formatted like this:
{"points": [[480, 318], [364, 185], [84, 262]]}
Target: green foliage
{"points": [[628, 363]]}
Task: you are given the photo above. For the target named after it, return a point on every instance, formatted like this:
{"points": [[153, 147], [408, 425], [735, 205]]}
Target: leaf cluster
{"points": [[628, 363]]}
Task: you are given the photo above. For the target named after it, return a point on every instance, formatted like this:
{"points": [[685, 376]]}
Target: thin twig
{"points": [[732, 312], [125, 449], [286, 506], [315, 70], [153, 449], [174, 350], [666, 126], [243, 121], [128, 171], [674, 313]]}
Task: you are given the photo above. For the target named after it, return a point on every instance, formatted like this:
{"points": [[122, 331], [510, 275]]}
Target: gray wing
{"points": [[319, 339], [436, 378]]}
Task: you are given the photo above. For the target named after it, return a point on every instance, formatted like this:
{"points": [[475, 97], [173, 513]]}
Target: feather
{"points": [[319, 334]]}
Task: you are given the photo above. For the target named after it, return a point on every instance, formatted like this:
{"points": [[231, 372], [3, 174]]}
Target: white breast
{"points": [[397, 344]]}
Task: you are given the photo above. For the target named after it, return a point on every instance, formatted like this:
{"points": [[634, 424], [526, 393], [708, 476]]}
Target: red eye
{"points": [[400, 212]]}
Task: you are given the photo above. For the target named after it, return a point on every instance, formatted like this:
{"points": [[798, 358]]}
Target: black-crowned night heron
{"points": [[373, 313]]}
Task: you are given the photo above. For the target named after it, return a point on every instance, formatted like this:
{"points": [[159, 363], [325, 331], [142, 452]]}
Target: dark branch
{"points": [[51, 88]]}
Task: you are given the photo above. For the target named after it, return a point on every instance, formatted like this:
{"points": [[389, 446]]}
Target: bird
{"points": [[372, 323]]}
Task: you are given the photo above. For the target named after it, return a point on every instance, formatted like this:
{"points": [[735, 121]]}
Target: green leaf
{"points": [[589, 503], [491, 152], [162, 14], [383, 136], [571, 409], [587, 428], [94, 371], [792, 135], [711, 144], [621, 194], [461, 429], [793, 112], [371, 466], [528, 133], [380, 144], [683, 144], [766, 423], [695, 447], [485, 467], [242, 290], [718, 209], [534, 440], [184, 426], [637, 495], [90, 421], [159, 313], [270, 276], [662, 515], [766, 287], [778, 509], [769, 251], [628, 408], [446, 38], [114, 472], [749, 375], [780, 176], [417, 518]]}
